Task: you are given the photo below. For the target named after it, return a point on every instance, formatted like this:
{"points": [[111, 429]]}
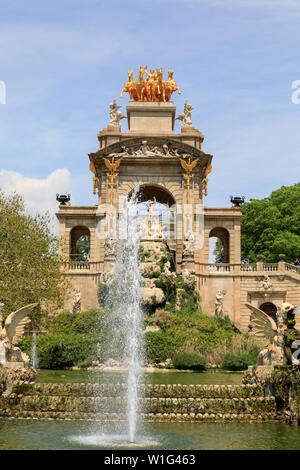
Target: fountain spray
{"points": [[125, 304]]}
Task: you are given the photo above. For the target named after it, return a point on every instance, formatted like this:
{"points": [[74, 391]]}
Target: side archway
{"points": [[219, 245], [80, 239]]}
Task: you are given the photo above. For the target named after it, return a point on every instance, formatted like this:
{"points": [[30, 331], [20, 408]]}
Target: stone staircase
{"points": [[159, 403]]}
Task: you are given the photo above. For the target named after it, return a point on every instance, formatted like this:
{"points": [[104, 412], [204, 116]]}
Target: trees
{"points": [[271, 226], [219, 252], [30, 264]]}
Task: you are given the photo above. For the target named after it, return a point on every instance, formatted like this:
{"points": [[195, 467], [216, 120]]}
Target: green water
{"points": [[211, 377], [67, 435]]}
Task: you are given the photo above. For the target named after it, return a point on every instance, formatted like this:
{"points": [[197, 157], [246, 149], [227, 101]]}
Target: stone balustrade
{"points": [[88, 267], [96, 267], [215, 268]]}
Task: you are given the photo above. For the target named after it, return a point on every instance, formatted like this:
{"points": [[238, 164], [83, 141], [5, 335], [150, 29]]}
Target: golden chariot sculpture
{"points": [[153, 88]]}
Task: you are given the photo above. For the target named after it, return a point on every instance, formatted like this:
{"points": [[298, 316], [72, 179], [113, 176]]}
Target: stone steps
{"points": [[160, 417], [159, 402], [148, 405], [147, 391]]}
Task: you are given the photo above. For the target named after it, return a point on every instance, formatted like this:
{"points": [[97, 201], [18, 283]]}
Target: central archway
{"points": [[149, 192], [164, 208]]}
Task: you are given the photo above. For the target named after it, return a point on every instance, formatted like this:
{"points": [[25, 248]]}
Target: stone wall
{"points": [[159, 402]]}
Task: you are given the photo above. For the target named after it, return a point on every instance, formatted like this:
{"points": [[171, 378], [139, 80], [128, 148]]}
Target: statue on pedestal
{"points": [[189, 244], [115, 114], [185, 117], [219, 306], [76, 302]]}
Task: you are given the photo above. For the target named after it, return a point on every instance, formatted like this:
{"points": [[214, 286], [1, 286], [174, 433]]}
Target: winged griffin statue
{"points": [[265, 327], [12, 332]]}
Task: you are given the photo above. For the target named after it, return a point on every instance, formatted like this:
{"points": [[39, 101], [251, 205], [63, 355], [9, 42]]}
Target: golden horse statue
{"points": [[140, 83], [130, 87], [170, 86]]}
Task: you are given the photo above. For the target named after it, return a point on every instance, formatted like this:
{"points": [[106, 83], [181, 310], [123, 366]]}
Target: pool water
{"points": [[68, 435], [210, 377]]}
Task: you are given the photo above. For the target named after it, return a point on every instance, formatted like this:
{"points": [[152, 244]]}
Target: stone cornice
{"points": [[135, 143]]}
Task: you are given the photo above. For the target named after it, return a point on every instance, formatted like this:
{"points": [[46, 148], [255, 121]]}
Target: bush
{"points": [[159, 346], [238, 361], [189, 361], [59, 350]]}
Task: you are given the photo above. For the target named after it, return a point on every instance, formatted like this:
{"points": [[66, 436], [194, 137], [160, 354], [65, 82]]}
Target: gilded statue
{"points": [[130, 87], [205, 179], [188, 167], [96, 184], [112, 167], [150, 85], [171, 86], [153, 88]]}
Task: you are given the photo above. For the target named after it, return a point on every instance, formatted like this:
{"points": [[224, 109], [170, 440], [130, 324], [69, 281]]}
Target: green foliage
{"points": [[152, 275], [30, 264], [285, 381], [239, 361], [82, 248], [290, 338], [219, 252], [72, 340], [195, 332], [159, 346], [271, 226], [175, 289], [59, 350], [162, 262], [25, 345], [190, 361]]}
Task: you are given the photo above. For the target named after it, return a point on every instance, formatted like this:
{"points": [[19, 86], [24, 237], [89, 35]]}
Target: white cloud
{"points": [[39, 194]]}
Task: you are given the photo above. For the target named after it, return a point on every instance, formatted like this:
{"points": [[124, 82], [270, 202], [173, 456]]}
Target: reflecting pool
{"points": [[60, 435], [210, 377]]}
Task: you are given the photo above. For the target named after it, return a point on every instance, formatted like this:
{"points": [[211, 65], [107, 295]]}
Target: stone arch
{"points": [[270, 309], [165, 198], [80, 233], [223, 235], [163, 195], [162, 183]]}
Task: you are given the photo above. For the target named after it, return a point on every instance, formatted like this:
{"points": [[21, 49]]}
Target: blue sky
{"points": [[64, 62]]}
